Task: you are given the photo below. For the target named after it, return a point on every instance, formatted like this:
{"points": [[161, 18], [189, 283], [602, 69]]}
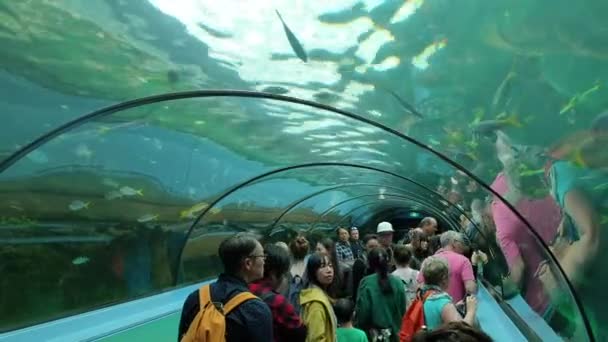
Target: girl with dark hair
{"points": [[327, 247], [317, 311], [361, 267], [381, 300]]}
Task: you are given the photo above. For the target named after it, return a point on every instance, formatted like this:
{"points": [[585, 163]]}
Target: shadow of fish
{"points": [[293, 41], [214, 32], [275, 90]]}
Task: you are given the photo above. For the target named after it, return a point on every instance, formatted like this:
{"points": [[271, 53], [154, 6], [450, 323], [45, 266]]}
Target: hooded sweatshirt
{"points": [[318, 315]]}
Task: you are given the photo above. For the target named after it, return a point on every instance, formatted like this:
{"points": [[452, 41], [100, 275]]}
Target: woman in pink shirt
{"points": [[522, 251]]}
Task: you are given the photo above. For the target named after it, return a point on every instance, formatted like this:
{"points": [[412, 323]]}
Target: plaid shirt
{"points": [[287, 325], [344, 252]]}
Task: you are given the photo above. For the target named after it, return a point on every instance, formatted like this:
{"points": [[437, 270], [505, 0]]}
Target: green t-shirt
{"points": [[351, 335]]}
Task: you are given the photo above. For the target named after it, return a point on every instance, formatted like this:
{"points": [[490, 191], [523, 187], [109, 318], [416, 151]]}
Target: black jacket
{"points": [[250, 321]]}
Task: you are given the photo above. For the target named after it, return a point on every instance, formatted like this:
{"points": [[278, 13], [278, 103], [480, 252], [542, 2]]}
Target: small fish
{"points": [[454, 137], [601, 187], [293, 41], [192, 211], [478, 114], [157, 143], [405, 104], [113, 195], [83, 151], [490, 126], [78, 205], [527, 173], [275, 90], [16, 207], [129, 191], [109, 182], [148, 218], [570, 105], [38, 157], [578, 98], [103, 129], [80, 260]]}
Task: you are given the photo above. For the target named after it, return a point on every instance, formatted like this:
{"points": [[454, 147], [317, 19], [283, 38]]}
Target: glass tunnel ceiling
{"points": [[457, 63], [358, 52]]}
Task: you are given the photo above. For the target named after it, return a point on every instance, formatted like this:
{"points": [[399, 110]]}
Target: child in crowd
{"points": [[345, 312]]}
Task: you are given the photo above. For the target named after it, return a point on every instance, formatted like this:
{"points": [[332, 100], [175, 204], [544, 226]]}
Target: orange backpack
{"points": [[413, 320], [209, 324]]}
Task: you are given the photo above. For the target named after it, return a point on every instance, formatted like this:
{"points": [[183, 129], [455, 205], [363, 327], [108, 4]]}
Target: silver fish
{"points": [[78, 205]]}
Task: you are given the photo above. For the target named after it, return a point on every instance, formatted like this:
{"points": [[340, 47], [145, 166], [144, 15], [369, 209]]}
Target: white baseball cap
{"points": [[384, 227]]}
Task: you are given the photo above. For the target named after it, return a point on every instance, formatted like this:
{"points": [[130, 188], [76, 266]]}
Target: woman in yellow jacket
{"points": [[317, 312]]}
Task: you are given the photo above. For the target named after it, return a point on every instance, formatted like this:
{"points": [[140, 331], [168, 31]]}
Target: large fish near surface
{"points": [[293, 41]]}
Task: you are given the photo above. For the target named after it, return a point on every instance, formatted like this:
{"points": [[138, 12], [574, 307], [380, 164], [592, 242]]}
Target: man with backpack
{"points": [[226, 310]]}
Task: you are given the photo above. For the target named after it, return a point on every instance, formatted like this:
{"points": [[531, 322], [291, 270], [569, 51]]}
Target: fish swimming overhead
{"points": [[129, 191], [488, 127], [275, 90], [148, 218], [194, 210], [293, 41], [78, 205], [80, 260]]}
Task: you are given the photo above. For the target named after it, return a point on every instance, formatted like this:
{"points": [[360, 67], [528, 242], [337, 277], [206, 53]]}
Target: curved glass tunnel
{"points": [[450, 98], [150, 217]]}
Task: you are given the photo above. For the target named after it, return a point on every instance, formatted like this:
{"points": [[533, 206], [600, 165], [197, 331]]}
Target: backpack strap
{"points": [[423, 295], [238, 300], [204, 295]]}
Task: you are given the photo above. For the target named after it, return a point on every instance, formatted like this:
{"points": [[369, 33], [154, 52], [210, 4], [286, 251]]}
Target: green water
{"points": [[99, 213]]}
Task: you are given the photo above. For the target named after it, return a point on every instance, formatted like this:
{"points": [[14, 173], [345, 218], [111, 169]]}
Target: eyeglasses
{"points": [[257, 256]]}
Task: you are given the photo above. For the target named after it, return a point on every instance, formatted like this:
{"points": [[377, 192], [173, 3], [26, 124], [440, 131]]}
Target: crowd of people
{"points": [[344, 289]]}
